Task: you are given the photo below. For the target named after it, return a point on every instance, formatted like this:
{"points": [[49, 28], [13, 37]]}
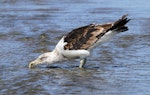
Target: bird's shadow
{"points": [[71, 67], [52, 67]]}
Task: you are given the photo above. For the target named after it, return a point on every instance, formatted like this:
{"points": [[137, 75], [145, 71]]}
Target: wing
{"points": [[84, 37]]}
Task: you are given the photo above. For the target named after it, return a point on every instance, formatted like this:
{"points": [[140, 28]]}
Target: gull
{"points": [[79, 43]]}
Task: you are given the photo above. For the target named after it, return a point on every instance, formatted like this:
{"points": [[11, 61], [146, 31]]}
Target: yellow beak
{"points": [[33, 63]]}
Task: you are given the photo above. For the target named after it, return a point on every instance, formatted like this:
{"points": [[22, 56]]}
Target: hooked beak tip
{"points": [[31, 65]]}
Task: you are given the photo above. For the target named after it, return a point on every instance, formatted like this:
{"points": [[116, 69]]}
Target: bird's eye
{"points": [[42, 58]]}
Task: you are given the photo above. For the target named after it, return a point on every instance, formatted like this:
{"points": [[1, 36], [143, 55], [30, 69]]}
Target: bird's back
{"points": [[87, 36]]}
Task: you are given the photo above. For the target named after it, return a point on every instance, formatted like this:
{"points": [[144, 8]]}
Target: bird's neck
{"points": [[57, 55]]}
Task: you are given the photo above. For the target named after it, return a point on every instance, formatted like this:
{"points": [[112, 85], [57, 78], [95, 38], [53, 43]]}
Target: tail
{"points": [[119, 25]]}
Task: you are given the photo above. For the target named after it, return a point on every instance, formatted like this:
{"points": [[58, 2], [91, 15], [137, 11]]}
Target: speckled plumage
{"points": [[79, 42]]}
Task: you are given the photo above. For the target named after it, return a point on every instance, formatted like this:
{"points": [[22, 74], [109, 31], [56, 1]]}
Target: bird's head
{"points": [[43, 58], [51, 57]]}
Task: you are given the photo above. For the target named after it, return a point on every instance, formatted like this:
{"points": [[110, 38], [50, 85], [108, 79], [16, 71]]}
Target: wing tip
{"points": [[119, 25]]}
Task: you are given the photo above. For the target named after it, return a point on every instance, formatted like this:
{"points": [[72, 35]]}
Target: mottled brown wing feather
{"points": [[84, 37]]}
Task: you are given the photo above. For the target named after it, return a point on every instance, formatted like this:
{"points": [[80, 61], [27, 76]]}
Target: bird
{"points": [[80, 42]]}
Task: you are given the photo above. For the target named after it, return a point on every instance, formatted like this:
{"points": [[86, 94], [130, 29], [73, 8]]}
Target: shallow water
{"points": [[31, 27]]}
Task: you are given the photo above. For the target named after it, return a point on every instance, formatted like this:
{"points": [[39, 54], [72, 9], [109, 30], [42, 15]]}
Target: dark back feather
{"points": [[84, 37]]}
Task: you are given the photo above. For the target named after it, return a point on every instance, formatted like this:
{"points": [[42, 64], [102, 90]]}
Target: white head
{"points": [[43, 58], [51, 57]]}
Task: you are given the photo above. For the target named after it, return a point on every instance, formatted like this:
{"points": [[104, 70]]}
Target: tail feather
{"points": [[119, 25]]}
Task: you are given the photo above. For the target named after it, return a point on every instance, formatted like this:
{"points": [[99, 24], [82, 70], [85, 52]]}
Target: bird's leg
{"points": [[82, 62]]}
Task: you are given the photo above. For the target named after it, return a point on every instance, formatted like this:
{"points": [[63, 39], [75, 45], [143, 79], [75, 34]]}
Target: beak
{"points": [[33, 63]]}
